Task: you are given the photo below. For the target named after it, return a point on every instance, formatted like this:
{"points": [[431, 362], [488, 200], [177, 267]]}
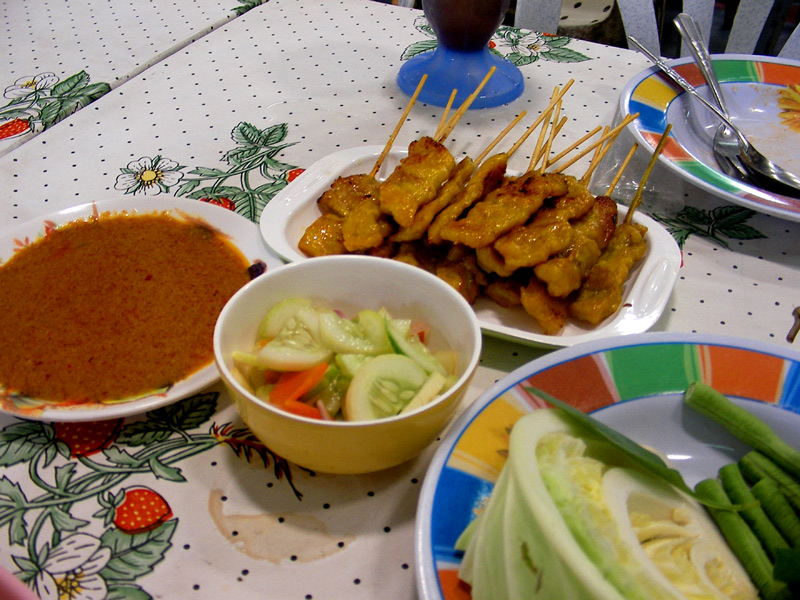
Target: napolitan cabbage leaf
{"points": [[642, 456]]}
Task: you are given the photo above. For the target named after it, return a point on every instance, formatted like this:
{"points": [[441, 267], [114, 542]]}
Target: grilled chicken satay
{"points": [[512, 204], [460, 269], [487, 177], [447, 193], [550, 230], [416, 180], [601, 293], [591, 233], [365, 226], [323, 237], [347, 192], [550, 313]]}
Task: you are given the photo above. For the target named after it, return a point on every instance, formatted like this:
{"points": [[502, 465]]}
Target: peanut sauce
{"points": [[113, 307]]}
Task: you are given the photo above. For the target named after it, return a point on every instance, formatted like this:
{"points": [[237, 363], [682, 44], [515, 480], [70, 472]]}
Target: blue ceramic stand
{"points": [[453, 69]]}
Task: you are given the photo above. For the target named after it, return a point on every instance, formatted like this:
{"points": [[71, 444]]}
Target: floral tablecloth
{"points": [[63, 55], [231, 119]]}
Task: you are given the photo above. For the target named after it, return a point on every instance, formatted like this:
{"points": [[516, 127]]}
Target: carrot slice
{"points": [[302, 409], [293, 384]]}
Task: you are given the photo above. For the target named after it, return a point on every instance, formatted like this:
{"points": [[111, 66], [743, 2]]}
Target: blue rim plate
{"points": [[752, 87], [615, 380]]}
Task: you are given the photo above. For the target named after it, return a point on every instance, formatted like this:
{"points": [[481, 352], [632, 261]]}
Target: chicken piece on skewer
{"points": [[601, 293], [505, 291], [591, 233], [365, 226], [416, 180], [550, 313], [346, 193], [460, 269], [548, 233], [447, 193], [487, 177], [323, 237], [512, 204]]}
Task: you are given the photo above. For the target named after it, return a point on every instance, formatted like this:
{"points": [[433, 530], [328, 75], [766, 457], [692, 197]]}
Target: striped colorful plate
{"points": [[634, 385], [753, 88]]}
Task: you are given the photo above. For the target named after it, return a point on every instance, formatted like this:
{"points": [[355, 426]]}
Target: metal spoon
{"points": [[725, 144], [768, 173]]}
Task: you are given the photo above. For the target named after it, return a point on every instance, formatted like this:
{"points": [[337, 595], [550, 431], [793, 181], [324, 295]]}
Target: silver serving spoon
{"points": [[725, 144], [758, 165]]}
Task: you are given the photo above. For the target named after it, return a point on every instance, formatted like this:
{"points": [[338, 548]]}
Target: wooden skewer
{"points": [[637, 197], [397, 127], [621, 169], [497, 140], [546, 114], [464, 106], [613, 133], [599, 153], [557, 95], [445, 113], [553, 133], [544, 143], [574, 145]]}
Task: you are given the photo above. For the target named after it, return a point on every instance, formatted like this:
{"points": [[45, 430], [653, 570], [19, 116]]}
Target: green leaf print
{"points": [[133, 556]]}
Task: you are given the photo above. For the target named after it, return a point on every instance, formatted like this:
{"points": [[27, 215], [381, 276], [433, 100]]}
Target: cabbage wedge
{"points": [[573, 517]]}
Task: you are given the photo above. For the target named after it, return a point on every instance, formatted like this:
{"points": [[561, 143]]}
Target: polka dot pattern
{"points": [[326, 69]]}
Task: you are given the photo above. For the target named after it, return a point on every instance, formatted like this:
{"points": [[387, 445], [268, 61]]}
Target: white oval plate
{"points": [[647, 290], [751, 85], [242, 233], [611, 379]]}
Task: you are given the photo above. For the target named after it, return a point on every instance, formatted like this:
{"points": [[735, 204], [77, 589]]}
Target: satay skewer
{"points": [[397, 127], [621, 169], [637, 197], [599, 154], [499, 138], [574, 145], [556, 96], [612, 133], [464, 106], [445, 113]]}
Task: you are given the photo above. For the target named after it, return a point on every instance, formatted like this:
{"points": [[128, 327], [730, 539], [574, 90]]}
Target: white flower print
{"points": [[25, 86], [71, 570], [149, 176]]}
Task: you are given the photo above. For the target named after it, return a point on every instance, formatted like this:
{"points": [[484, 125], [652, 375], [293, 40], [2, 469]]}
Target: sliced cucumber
{"points": [[344, 336], [413, 349], [382, 387], [432, 387], [374, 325], [279, 315], [351, 363], [297, 346]]}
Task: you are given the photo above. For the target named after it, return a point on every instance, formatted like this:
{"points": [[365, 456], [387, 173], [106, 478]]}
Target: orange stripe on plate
{"points": [[778, 74], [452, 587], [740, 372], [672, 149]]}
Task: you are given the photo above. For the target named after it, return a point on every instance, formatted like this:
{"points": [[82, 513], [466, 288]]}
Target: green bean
{"points": [[739, 493], [744, 425], [778, 510], [755, 466], [743, 542]]}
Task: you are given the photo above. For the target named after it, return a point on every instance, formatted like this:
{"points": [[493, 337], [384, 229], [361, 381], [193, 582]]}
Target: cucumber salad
{"points": [[315, 362]]}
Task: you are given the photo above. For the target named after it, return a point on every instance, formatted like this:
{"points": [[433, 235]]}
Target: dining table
{"points": [[212, 106]]}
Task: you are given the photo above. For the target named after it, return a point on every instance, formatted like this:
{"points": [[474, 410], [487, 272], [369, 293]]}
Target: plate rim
{"points": [[248, 243], [280, 210], [424, 564], [749, 201]]}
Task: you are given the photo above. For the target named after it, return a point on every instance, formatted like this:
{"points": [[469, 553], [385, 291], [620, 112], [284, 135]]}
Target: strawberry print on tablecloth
{"points": [[118, 474]]}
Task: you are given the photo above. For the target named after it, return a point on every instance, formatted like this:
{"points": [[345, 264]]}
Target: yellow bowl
{"points": [[350, 283]]}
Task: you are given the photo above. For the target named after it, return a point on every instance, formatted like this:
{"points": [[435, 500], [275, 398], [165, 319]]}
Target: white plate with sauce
{"points": [[647, 290], [241, 232]]}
